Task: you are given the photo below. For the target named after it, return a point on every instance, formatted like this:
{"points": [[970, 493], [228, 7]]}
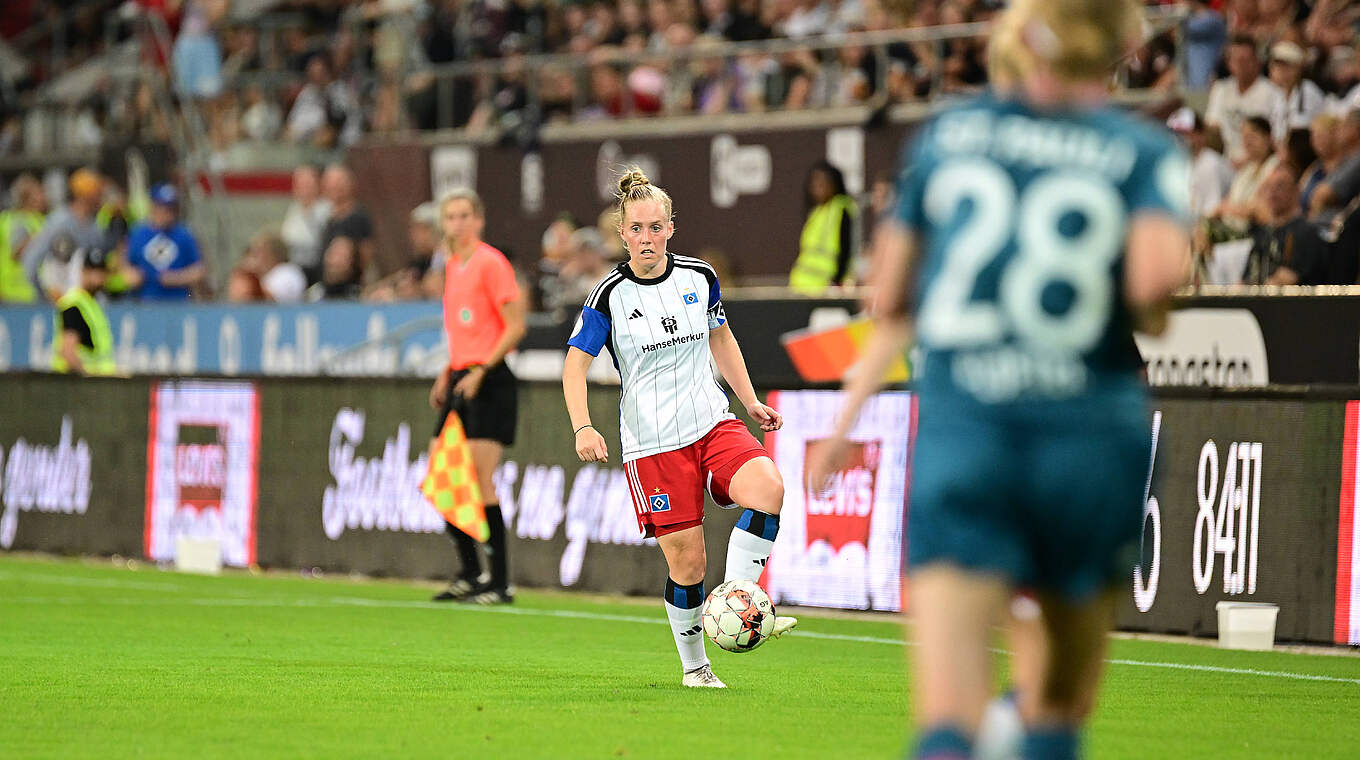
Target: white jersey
{"points": [[657, 332]]}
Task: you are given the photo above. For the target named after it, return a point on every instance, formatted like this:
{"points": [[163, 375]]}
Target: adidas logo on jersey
{"points": [[691, 632], [636, 313], [760, 561]]}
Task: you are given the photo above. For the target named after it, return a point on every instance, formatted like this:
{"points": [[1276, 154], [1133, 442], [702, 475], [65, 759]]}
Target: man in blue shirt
{"points": [[162, 253]]}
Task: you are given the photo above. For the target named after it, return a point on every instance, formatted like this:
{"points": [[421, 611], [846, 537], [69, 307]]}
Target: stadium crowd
{"points": [[325, 72], [1276, 150]]}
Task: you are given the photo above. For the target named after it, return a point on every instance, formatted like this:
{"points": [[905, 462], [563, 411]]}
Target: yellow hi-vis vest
{"points": [[819, 247], [14, 285], [97, 360]]}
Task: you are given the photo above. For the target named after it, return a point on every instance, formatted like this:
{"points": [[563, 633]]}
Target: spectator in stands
{"points": [[83, 344], [1152, 64], [197, 58], [243, 286], [961, 68], [851, 78], [1297, 150], [18, 225], [809, 18], [305, 219], [340, 278], [1274, 20], [1322, 134], [588, 262], [1205, 33], [828, 244], [416, 280], [555, 249], [242, 51], [505, 108], [1210, 172], [606, 94], [261, 117], [68, 233], [1342, 184], [1258, 160], [1243, 94], [747, 22], [163, 255], [326, 111], [1303, 98], [608, 223], [280, 280], [1286, 248], [348, 220]]}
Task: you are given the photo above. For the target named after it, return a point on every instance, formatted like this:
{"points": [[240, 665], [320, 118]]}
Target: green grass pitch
{"points": [[102, 662]]}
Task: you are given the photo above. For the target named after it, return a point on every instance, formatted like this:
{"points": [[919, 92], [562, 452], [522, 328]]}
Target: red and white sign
{"points": [[1347, 558], [843, 548], [202, 458]]}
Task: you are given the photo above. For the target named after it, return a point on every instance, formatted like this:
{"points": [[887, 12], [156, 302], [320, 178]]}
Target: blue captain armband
{"points": [[591, 331]]}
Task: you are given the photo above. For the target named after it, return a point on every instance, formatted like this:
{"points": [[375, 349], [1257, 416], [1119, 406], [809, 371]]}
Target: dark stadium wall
{"points": [[72, 464], [1245, 493], [341, 463], [1248, 490], [739, 192]]}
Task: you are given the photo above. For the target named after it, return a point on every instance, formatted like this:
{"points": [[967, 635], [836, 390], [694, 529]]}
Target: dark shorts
{"points": [[1052, 503], [492, 414]]}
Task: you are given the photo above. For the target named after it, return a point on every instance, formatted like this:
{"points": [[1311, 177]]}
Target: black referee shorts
{"points": [[492, 413]]}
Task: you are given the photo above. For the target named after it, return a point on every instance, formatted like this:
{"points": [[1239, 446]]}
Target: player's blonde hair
{"points": [[1078, 40], [634, 186], [462, 194]]}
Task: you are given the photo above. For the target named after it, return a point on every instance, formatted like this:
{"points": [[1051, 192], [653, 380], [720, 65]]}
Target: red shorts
{"points": [[668, 488]]}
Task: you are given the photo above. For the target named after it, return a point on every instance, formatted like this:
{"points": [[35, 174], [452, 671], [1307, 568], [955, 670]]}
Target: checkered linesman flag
{"points": [[451, 484]]}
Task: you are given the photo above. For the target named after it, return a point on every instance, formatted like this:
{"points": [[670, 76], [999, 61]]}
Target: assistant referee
{"points": [[484, 320]]}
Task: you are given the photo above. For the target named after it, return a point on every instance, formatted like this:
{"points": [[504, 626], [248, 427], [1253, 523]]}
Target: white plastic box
{"points": [[198, 555], [1246, 625]]}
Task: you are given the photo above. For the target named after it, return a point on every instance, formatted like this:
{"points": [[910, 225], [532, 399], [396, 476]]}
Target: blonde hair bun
{"points": [[633, 177]]}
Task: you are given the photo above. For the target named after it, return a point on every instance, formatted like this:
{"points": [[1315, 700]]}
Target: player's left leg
{"points": [[1079, 636], [486, 457], [758, 487]]}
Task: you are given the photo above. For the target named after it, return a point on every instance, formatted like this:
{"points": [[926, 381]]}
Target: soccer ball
{"points": [[738, 616]]}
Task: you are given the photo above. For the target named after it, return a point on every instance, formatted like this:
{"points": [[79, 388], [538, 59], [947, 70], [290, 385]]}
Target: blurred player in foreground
{"points": [[661, 315], [484, 318], [1047, 226]]}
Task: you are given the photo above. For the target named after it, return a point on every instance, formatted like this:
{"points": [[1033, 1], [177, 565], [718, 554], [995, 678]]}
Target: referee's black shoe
{"points": [[489, 595], [457, 591]]}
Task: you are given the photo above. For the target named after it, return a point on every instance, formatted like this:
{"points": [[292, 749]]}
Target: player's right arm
{"points": [[592, 330], [894, 250], [590, 445]]}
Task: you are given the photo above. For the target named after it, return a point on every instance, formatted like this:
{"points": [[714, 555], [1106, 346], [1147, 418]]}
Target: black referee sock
{"points": [[495, 548], [467, 552]]}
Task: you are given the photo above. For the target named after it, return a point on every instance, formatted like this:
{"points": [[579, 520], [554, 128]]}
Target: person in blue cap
{"points": [[163, 256]]}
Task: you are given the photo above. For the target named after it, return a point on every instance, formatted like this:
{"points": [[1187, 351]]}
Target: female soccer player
{"points": [[1048, 225], [662, 316]]}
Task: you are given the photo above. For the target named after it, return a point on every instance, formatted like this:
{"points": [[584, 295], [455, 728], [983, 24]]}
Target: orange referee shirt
{"points": [[474, 292]]}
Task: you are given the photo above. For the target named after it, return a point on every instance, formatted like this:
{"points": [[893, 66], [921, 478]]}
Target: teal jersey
{"points": [[1021, 216]]}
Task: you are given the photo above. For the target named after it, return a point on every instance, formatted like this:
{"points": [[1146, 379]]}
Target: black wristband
{"points": [[583, 427]]}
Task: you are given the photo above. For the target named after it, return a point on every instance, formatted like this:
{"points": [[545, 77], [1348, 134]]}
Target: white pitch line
{"points": [[606, 617], [70, 580], [1236, 671]]}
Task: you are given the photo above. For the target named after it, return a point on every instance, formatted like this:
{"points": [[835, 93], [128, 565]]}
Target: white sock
{"points": [[747, 552], [689, 635]]}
